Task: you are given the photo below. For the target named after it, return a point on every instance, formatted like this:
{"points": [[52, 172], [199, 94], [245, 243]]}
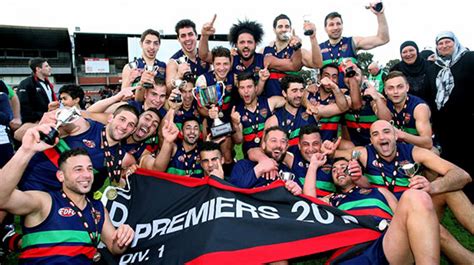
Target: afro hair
{"points": [[251, 27]]}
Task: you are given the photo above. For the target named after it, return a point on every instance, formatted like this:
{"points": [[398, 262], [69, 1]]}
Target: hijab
{"points": [[418, 67], [445, 79]]}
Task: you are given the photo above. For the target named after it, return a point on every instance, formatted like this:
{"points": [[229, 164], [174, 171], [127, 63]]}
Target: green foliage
{"points": [[364, 59], [390, 64]]}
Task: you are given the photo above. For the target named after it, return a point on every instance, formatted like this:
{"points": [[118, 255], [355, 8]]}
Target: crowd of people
{"points": [[386, 144]]}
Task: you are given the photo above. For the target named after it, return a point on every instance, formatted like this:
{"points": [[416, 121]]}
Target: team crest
{"points": [[181, 158], [203, 64], [375, 163], [198, 158], [313, 101], [239, 68], [300, 164], [324, 50], [245, 118], [88, 143], [326, 168], [344, 47], [97, 216], [161, 70], [228, 88], [304, 116], [264, 112], [407, 118], [66, 212], [364, 191]]}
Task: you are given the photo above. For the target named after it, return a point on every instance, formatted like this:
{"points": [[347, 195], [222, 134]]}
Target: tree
{"points": [[390, 64], [365, 58]]}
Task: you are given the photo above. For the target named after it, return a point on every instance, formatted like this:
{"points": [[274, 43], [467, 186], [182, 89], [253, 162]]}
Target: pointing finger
{"points": [[213, 19]]}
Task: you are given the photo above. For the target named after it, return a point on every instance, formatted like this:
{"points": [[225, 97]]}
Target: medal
{"points": [[97, 256], [383, 225], [256, 140], [111, 194], [221, 115], [358, 129]]}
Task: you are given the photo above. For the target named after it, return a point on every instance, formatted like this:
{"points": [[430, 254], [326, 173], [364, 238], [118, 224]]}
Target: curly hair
{"points": [[251, 27]]}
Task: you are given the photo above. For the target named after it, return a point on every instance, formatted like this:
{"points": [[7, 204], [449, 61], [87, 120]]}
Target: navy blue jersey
{"points": [[391, 169], [159, 66], [292, 124], [197, 68], [62, 238], [405, 119], [243, 174], [358, 124], [253, 123], [40, 174], [227, 103], [324, 183], [255, 67], [337, 53], [272, 86], [185, 163], [328, 126]]}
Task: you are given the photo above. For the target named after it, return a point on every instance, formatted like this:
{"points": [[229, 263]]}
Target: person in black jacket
{"points": [[450, 83], [36, 92]]}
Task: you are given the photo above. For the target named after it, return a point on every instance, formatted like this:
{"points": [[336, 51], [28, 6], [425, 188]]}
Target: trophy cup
{"points": [[377, 6], [209, 96], [188, 76], [285, 176], [149, 68], [64, 116], [307, 18], [409, 169]]}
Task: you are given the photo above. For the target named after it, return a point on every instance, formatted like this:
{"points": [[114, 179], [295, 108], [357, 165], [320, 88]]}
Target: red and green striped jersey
{"points": [[62, 238]]}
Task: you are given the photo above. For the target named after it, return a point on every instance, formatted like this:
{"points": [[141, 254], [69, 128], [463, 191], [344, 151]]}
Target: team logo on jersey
{"points": [[326, 168], [89, 143], [203, 64], [313, 101], [324, 50], [344, 47], [97, 215], [179, 112], [364, 191], [161, 70], [300, 164], [264, 112], [245, 118], [181, 158], [228, 88], [375, 163], [239, 68], [304, 116], [407, 118], [66, 212]]}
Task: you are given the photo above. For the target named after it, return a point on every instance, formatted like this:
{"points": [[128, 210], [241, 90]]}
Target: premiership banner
{"points": [[180, 220]]}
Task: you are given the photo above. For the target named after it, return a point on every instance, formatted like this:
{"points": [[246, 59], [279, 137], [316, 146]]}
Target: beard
{"points": [[279, 159]]}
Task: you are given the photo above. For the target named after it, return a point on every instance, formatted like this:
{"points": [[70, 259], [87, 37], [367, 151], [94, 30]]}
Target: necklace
{"points": [[403, 113], [336, 199], [390, 185], [339, 50], [114, 164], [255, 125], [189, 168], [93, 234]]}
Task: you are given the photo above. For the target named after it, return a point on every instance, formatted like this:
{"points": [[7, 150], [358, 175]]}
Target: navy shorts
{"points": [[372, 255]]}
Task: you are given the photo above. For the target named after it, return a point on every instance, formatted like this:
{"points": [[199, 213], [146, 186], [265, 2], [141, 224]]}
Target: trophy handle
{"points": [[197, 95], [220, 90]]}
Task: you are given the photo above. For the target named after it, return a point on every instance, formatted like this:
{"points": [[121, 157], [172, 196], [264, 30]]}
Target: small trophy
{"points": [[64, 116], [149, 68], [188, 76], [409, 169], [377, 6], [209, 96], [286, 176], [307, 18]]}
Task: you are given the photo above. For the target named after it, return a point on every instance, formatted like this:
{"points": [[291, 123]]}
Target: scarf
{"points": [[415, 69], [445, 79]]}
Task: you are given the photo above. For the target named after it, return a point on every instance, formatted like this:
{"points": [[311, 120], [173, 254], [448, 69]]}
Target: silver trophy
{"points": [[409, 169], [64, 116], [212, 96], [286, 176], [188, 76], [149, 68]]}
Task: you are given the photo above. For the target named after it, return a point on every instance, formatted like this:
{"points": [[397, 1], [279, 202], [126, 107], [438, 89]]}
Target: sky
{"points": [[417, 20]]}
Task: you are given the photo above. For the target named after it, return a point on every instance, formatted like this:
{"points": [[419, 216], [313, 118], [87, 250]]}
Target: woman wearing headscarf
{"points": [[450, 83], [413, 67]]}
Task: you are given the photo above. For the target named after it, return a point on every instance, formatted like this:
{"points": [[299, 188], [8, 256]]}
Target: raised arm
{"points": [[13, 200], [382, 37], [313, 59], [206, 31]]}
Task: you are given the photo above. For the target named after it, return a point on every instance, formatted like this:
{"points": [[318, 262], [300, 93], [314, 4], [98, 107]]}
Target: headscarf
{"points": [[445, 79], [424, 54], [415, 69]]}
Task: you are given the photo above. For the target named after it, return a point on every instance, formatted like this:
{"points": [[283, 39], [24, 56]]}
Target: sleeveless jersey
{"points": [[185, 163], [337, 53], [255, 67], [272, 85], [197, 68], [373, 171], [358, 124], [243, 174], [405, 119], [227, 98], [292, 124], [159, 65], [251, 130], [324, 183], [62, 238], [328, 126]]}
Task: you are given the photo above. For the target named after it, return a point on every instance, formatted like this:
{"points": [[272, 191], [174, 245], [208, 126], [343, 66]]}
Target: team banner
{"points": [[180, 220]]}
